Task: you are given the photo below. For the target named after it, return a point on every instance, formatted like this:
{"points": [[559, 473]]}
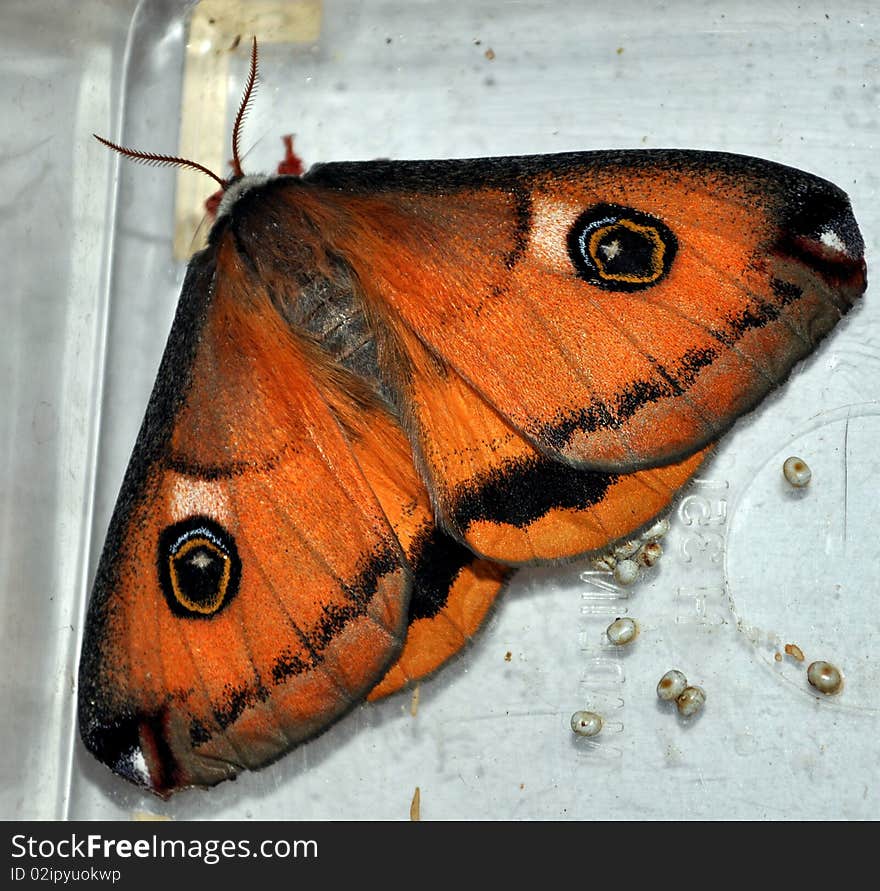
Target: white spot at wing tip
{"points": [[832, 240], [138, 764]]}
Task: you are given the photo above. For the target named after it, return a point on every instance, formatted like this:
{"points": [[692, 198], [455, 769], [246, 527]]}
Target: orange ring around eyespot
{"points": [[656, 255], [216, 602]]}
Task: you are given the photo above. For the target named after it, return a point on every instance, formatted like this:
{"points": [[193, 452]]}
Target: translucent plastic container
{"points": [[95, 259]]}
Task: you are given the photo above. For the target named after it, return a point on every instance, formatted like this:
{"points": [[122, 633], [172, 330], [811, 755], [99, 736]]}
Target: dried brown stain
{"points": [[795, 652], [416, 806]]}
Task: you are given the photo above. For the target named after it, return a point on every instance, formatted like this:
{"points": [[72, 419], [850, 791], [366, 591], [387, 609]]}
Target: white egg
{"points": [[825, 677], [626, 572], [796, 471], [603, 563], [671, 685], [625, 549], [622, 631], [656, 530], [691, 701], [649, 553], [586, 723]]}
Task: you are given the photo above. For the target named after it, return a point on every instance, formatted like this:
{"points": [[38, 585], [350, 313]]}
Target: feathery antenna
{"points": [[249, 88], [158, 160]]}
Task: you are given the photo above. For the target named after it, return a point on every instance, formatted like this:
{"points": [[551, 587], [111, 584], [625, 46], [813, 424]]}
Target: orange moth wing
{"points": [[619, 309], [453, 589], [251, 589], [506, 500]]}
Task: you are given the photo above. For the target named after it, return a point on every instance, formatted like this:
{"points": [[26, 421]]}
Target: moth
{"points": [[389, 383]]}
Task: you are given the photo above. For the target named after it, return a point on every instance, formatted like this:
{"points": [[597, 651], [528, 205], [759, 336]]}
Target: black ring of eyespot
{"points": [[620, 249], [199, 567]]}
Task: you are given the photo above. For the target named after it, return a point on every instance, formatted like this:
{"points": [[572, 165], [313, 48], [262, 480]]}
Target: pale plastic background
{"points": [[90, 288]]}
